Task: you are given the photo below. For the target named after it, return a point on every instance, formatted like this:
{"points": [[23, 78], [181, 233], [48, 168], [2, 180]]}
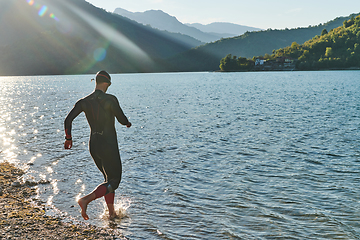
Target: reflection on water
{"points": [[209, 155]]}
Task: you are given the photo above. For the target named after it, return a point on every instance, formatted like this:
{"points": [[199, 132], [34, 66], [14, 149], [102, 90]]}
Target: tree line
{"points": [[337, 49]]}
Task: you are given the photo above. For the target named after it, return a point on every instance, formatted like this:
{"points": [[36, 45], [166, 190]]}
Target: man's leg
{"points": [[109, 199], [100, 191]]}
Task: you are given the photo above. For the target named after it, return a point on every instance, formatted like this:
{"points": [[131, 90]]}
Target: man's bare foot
{"points": [[112, 211], [83, 204], [113, 216]]}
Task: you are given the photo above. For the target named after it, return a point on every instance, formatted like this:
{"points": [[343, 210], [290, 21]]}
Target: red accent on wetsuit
{"points": [[103, 76], [100, 191], [67, 135], [109, 198], [68, 140]]}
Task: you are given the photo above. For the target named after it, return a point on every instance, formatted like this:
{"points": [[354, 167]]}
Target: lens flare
{"points": [[54, 17], [43, 10], [37, 6], [99, 54]]}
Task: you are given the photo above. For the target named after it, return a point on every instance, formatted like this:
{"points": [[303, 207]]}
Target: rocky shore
{"points": [[23, 218]]}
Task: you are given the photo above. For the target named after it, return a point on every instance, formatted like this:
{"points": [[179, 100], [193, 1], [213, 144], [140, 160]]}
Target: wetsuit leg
{"points": [[112, 166], [107, 159]]}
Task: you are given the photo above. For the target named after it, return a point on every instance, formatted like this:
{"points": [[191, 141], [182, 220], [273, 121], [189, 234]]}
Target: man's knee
{"points": [[113, 184]]}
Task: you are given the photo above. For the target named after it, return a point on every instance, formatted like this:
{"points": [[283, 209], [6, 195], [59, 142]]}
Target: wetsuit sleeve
{"points": [[77, 109], [118, 112]]}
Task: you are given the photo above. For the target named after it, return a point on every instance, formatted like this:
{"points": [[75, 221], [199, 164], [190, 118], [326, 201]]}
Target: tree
{"points": [[224, 63], [348, 23], [228, 63], [267, 56], [245, 64], [328, 52], [356, 48], [324, 32], [295, 45]]}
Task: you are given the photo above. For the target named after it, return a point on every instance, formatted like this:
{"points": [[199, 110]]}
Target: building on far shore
{"points": [[280, 63]]}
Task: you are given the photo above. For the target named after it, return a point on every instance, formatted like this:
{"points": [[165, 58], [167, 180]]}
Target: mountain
{"points": [[163, 21], [208, 56], [224, 29], [74, 37]]}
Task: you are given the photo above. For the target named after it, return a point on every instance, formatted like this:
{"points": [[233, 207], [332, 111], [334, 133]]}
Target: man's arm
{"points": [[119, 114], [77, 109]]}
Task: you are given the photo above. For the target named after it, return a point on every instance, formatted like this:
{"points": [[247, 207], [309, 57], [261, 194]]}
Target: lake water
{"points": [[268, 155]]}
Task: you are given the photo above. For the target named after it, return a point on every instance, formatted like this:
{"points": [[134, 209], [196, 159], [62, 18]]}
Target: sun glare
{"points": [[114, 36], [99, 50]]}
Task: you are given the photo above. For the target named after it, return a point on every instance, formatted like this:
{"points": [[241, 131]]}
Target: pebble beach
{"points": [[23, 217]]}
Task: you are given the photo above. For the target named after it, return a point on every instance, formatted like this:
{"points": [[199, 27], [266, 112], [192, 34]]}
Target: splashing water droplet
{"points": [[121, 207]]}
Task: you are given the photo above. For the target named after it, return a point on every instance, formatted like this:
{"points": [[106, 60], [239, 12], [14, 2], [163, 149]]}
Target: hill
{"points": [[337, 49], [208, 56], [74, 37], [163, 21], [223, 29]]}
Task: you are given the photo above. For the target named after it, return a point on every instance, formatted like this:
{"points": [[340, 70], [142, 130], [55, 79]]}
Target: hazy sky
{"points": [[275, 14]]}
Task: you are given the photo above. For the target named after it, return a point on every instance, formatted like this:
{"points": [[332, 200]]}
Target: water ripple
{"points": [[209, 156]]}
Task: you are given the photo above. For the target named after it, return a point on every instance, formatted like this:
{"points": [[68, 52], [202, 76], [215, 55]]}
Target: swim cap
{"points": [[103, 76]]}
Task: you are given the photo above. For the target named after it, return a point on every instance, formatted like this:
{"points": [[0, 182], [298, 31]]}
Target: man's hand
{"points": [[68, 144], [128, 125]]}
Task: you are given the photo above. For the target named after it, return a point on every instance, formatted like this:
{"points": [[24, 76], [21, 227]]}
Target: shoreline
{"points": [[291, 70], [195, 71], [23, 218]]}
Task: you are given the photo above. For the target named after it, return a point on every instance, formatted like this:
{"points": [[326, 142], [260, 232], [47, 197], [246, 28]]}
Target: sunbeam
{"points": [[115, 37]]}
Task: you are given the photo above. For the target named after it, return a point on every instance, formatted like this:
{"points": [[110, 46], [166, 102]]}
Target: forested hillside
{"points": [[207, 57], [337, 49]]}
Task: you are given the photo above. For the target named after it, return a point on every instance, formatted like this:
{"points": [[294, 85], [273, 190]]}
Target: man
{"points": [[100, 110]]}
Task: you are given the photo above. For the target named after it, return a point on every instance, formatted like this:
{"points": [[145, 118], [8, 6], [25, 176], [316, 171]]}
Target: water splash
{"points": [[121, 207]]}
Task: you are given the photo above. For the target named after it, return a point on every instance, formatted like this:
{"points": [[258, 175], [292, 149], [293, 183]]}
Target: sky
{"points": [[265, 14]]}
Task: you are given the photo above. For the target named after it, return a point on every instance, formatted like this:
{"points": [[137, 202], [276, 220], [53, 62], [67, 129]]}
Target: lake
{"points": [[264, 155]]}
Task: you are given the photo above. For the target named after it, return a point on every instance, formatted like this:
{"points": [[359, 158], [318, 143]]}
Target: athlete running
{"points": [[100, 110]]}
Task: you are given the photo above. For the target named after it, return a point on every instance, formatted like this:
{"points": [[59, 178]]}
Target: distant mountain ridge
{"points": [[224, 28], [163, 21]]}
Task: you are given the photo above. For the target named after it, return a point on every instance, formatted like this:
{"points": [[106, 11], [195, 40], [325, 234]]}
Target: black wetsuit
{"points": [[100, 110]]}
